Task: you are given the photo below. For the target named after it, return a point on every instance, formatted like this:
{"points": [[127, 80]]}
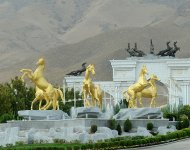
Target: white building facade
{"points": [[174, 73]]}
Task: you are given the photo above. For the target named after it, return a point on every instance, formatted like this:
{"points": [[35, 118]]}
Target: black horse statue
{"points": [[78, 72], [164, 52], [131, 52], [174, 50], [139, 53]]}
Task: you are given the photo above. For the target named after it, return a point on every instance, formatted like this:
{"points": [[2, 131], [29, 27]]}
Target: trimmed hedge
{"points": [[112, 124], [127, 125], [149, 126], [119, 130], [93, 128], [145, 141], [120, 142]]}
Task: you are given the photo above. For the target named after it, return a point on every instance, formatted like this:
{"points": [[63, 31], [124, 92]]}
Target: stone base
{"points": [[84, 112], [139, 113], [83, 122], [43, 114]]}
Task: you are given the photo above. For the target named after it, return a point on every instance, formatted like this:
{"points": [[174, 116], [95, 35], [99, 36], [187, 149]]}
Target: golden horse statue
{"points": [[137, 87], [90, 89], [37, 77], [40, 96], [150, 92]]}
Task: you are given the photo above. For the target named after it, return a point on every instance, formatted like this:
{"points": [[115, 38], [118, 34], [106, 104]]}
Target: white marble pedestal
{"points": [[43, 114]]}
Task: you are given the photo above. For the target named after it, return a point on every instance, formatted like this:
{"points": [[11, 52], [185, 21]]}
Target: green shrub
{"points": [[9, 145], [127, 125], [112, 124], [137, 142], [185, 110], [101, 145], [93, 128], [187, 130], [144, 141], [154, 133], [59, 141], [83, 147], [137, 137], [69, 148], [129, 142], [179, 125], [116, 109], [118, 128], [116, 144], [19, 143], [149, 126], [89, 146], [5, 117], [76, 147], [185, 123], [122, 142]]}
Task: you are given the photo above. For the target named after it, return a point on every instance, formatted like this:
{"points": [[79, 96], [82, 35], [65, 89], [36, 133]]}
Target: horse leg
{"points": [[130, 104], [130, 93], [84, 96], [36, 99], [152, 101], [139, 99], [40, 104], [57, 106], [55, 102], [133, 100], [100, 101], [47, 99], [49, 104], [22, 77], [27, 72], [86, 102], [93, 99]]}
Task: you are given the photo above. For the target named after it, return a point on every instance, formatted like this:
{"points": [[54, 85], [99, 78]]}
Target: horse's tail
{"points": [[126, 96], [99, 91], [99, 95], [61, 95]]}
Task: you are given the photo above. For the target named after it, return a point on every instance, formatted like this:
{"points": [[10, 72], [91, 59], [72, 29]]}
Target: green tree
{"points": [[5, 100], [15, 96]]}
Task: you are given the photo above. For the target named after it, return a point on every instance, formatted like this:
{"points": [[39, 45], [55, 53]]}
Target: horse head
{"points": [[154, 78], [144, 70], [41, 61], [91, 69], [168, 42]]}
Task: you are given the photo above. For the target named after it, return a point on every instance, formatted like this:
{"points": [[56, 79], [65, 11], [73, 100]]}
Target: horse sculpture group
{"points": [[142, 88], [169, 51], [44, 90]]}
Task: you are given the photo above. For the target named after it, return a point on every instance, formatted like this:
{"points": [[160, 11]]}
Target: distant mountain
{"points": [[70, 32]]}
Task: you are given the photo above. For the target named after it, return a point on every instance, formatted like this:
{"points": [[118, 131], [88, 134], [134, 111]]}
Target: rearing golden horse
{"points": [[137, 87], [150, 92], [90, 89], [49, 92]]}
